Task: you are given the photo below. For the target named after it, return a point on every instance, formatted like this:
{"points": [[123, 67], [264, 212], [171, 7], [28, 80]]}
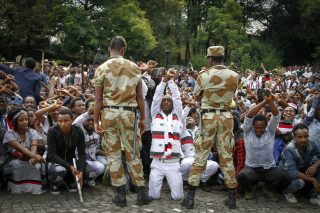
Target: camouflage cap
{"points": [[121, 38], [215, 51]]}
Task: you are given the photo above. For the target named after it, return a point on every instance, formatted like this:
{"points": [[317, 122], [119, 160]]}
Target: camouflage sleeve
{"points": [[98, 78], [198, 88]]}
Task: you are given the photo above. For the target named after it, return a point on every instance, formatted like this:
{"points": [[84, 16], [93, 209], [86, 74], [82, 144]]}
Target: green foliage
{"points": [[198, 61], [183, 27]]}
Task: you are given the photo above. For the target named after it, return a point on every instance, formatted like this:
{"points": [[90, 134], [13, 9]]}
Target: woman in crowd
{"points": [[22, 142]]}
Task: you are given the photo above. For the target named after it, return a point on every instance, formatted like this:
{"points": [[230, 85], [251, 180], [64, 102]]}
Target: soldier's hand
{"points": [[142, 125]]}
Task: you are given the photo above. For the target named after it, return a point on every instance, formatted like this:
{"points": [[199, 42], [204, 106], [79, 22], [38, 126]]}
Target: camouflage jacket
{"points": [[119, 78], [216, 87]]}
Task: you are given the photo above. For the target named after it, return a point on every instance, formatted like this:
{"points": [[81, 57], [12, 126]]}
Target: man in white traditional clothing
{"points": [[166, 128]]}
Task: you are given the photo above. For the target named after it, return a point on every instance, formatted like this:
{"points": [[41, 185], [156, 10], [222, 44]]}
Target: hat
{"points": [[285, 126], [15, 100], [293, 106], [215, 51]]}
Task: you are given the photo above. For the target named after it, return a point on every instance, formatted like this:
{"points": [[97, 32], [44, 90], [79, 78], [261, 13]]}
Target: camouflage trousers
{"points": [[118, 138], [218, 131]]}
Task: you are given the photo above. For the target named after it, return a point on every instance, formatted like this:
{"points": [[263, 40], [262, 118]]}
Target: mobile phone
{"points": [[266, 93], [260, 95]]}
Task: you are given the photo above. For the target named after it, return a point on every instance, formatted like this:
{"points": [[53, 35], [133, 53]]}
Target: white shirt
{"points": [[259, 150]]}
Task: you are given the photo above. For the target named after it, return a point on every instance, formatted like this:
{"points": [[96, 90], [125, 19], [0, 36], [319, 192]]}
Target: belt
{"points": [[214, 110], [173, 160], [126, 108]]}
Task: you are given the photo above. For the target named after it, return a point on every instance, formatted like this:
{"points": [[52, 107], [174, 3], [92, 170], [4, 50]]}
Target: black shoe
{"points": [[188, 201], [120, 196], [231, 200], [71, 187], [54, 189], [142, 198], [205, 187]]}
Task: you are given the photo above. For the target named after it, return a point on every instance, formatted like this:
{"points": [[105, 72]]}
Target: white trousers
{"points": [[94, 169], [172, 172], [186, 165]]}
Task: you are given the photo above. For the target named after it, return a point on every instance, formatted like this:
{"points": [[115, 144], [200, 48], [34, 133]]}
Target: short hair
{"points": [[29, 96], [218, 60], [30, 63], [30, 109], [260, 117], [117, 43], [73, 102], [299, 126], [65, 111]]}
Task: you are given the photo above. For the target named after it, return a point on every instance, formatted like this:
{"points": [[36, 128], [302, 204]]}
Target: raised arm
{"points": [[177, 103], [7, 69], [156, 103]]}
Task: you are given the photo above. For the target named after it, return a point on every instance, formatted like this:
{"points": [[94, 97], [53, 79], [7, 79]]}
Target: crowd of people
{"points": [[135, 121]]}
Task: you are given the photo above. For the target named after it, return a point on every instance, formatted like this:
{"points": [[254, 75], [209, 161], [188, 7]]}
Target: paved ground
{"points": [[98, 199]]}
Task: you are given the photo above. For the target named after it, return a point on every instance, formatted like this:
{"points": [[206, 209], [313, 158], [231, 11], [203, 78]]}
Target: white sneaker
{"points": [[290, 197], [91, 183], [315, 201]]}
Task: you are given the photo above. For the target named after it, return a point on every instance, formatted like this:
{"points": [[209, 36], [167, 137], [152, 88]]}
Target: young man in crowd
{"points": [[63, 140], [259, 143], [27, 80], [95, 157], [298, 161]]}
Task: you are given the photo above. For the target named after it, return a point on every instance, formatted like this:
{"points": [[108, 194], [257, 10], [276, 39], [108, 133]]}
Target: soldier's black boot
{"points": [[205, 187], [188, 201], [142, 198], [232, 199], [120, 196]]}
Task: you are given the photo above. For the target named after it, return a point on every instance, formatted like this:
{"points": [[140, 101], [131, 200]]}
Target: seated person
{"points": [[22, 145], [3, 157], [188, 150], [29, 102], [95, 157], [259, 142], [63, 140], [285, 136], [166, 112], [297, 161]]}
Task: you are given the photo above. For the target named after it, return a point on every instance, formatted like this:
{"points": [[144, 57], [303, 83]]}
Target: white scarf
{"points": [[166, 136]]}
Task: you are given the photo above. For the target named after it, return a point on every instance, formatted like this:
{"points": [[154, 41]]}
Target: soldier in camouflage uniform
{"points": [[118, 89], [215, 89]]}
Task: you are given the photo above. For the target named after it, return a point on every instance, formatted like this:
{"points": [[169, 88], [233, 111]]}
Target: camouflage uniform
{"points": [[215, 88], [119, 78]]}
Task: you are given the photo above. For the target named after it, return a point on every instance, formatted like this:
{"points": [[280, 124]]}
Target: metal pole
{"points": [[82, 74]]}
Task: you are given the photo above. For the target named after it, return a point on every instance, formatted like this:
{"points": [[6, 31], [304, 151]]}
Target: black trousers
{"points": [[274, 178], [146, 139]]}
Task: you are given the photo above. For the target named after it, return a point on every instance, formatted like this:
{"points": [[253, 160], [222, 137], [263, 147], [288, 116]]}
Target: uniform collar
{"points": [[219, 67], [116, 56]]}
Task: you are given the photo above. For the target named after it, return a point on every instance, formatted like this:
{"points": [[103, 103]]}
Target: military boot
{"points": [[231, 200], [205, 187], [120, 196], [142, 198], [188, 201]]}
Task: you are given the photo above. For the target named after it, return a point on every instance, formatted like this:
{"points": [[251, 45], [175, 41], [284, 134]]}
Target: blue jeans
{"points": [[297, 184]]}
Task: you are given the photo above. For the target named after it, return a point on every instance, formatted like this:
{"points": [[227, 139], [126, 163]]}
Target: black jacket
{"points": [[62, 149]]}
